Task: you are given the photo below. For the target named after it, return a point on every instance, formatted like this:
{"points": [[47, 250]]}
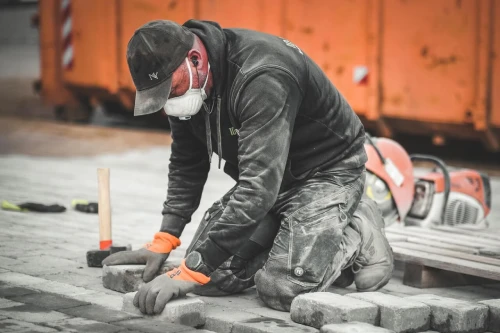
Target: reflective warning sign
{"points": [[360, 75]]}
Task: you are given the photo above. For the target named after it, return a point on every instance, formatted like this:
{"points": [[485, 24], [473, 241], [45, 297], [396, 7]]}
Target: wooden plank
{"points": [[453, 247], [441, 244], [463, 249], [419, 276], [453, 254], [492, 234], [465, 238], [447, 239], [447, 263], [396, 238]]}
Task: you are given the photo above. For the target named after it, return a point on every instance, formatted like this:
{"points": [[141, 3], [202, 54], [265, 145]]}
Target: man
{"points": [[294, 221]]}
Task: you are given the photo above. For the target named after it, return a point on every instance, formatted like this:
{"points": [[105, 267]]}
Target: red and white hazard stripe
{"points": [[67, 57]]}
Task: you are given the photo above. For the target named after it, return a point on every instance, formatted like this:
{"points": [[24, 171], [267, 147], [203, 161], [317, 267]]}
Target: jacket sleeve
{"points": [[187, 175], [265, 107]]}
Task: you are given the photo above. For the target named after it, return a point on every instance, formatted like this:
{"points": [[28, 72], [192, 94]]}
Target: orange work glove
{"points": [[153, 255]]}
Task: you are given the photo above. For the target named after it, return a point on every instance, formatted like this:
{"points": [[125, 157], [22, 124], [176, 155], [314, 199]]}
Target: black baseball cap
{"points": [[154, 52]]}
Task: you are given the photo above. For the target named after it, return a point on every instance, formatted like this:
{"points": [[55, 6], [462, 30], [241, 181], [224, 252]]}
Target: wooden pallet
{"points": [[446, 256]]}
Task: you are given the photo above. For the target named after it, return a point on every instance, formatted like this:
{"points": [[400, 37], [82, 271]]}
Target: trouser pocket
{"points": [[315, 236]]}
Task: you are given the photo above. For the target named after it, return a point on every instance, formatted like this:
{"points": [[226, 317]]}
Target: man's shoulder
{"points": [[251, 50]]}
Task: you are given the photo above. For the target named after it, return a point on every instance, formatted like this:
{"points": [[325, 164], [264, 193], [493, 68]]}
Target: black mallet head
{"points": [[95, 257]]}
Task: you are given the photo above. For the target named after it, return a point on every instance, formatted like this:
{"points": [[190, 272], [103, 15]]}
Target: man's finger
{"points": [[136, 299], [120, 258], [162, 299], [143, 293], [152, 267], [151, 300]]}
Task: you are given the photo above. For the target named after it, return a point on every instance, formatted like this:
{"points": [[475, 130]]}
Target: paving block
{"points": [[221, 319], [83, 325], [152, 326], [398, 314], [32, 314], [189, 311], [48, 301], [270, 325], [353, 327], [98, 313], [9, 290], [113, 302], [494, 314], [128, 278], [452, 315], [321, 308], [13, 325]]}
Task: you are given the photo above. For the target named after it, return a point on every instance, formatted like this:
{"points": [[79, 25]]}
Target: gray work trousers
{"points": [[308, 235]]}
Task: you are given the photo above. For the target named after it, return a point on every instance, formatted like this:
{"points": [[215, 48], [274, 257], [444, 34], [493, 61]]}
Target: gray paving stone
{"points": [[271, 313], [353, 327], [234, 302], [98, 313], [153, 326], [221, 319], [127, 278], [321, 308], [9, 290], [189, 311], [19, 279], [493, 314], [4, 270], [83, 325], [48, 301], [266, 325], [452, 315], [13, 325], [6, 262], [398, 314], [113, 302], [32, 313]]}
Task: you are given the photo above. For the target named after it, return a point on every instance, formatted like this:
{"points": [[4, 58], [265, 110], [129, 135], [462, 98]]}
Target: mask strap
{"points": [[190, 74], [206, 79]]}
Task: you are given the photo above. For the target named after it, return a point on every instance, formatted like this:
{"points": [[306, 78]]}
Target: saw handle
{"points": [[442, 166], [104, 209]]}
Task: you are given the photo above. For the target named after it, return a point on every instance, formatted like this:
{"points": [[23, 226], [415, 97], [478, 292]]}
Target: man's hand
{"points": [[153, 255], [153, 296]]}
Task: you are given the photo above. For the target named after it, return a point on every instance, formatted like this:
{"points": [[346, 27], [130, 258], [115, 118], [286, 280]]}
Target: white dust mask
{"points": [[190, 103]]}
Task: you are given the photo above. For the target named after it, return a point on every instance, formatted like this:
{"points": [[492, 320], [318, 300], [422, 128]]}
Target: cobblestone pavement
{"points": [[45, 284]]}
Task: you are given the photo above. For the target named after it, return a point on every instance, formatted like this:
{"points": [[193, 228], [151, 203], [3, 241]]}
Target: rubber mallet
{"points": [[106, 247]]}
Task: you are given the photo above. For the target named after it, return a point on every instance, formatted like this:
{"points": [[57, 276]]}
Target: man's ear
{"points": [[195, 57]]}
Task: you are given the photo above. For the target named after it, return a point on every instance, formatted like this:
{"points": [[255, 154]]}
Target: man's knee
{"points": [[275, 289]]}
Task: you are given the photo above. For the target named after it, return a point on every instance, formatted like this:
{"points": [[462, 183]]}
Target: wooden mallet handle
{"points": [[104, 209]]}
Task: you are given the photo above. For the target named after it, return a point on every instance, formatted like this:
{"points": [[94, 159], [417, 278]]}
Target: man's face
{"points": [[180, 79]]}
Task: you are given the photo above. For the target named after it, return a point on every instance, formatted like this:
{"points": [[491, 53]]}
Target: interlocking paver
{"points": [[398, 314], [452, 315], [84, 325], [270, 325], [493, 314], [19, 279], [32, 313], [221, 319], [153, 326], [113, 302], [321, 308], [353, 327], [9, 290], [99, 313], [3, 270], [48, 301], [13, 325], [189, 311]]}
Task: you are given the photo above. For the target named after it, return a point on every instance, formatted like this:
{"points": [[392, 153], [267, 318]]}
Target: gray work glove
{"points": [[153, 296], [153, 255]]}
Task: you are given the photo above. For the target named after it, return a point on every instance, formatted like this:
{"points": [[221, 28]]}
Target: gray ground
{"points": [[45, 285]]}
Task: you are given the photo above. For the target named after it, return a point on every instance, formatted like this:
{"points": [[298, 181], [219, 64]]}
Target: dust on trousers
{"points": [[306, 240]]}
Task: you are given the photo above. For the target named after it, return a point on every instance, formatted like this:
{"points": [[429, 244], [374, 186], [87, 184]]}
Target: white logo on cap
{"points": [[153, 75]]}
